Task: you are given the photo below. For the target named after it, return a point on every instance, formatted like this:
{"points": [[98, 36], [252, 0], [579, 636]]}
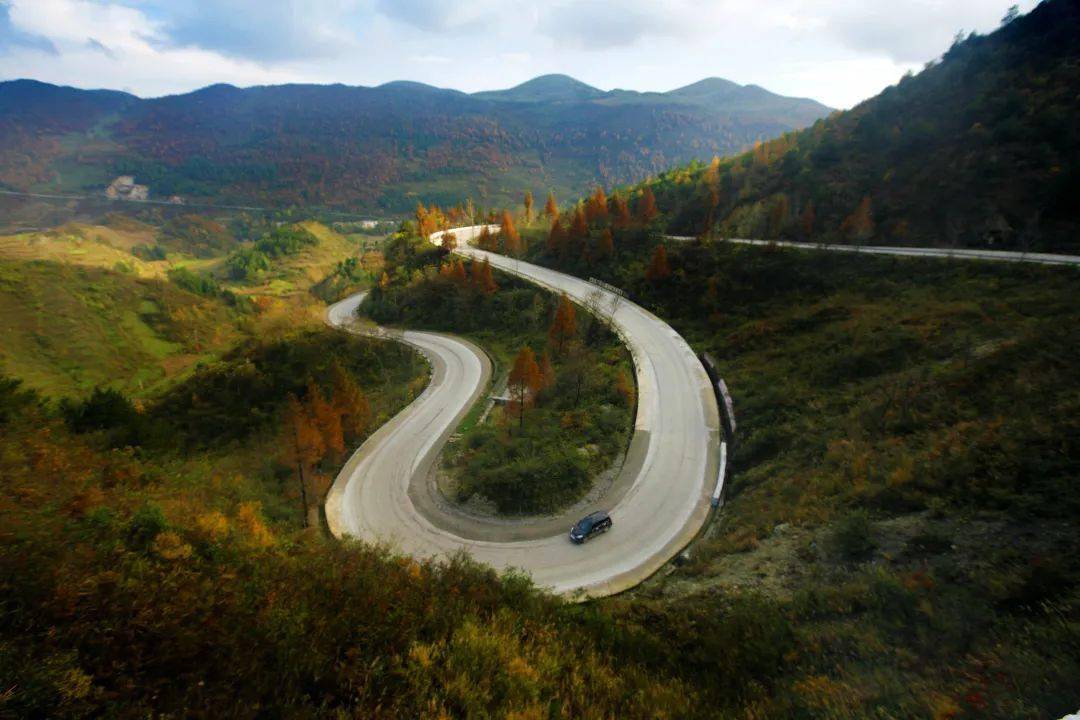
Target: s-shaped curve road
{"points": [[667, 503]]}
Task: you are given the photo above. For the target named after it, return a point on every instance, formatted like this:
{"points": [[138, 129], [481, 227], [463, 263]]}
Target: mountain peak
{"points": [[545, 88], [710, 87]]}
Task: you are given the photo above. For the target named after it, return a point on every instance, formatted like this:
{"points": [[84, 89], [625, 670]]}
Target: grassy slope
{"points": [[904, 476], [112, 326], [90, 245], [67, 328]]}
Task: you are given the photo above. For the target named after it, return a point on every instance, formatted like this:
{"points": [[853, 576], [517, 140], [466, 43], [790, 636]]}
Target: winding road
{"points": [[662, 506]]}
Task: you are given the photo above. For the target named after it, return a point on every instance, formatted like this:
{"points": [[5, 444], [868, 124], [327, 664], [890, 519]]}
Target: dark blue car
{"points": [[589, 526]]}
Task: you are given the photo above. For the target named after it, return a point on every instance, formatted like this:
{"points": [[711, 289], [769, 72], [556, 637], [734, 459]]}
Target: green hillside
{"points": [[978, 150], [68, 329]]}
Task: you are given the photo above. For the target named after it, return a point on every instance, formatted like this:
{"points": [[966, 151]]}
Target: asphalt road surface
{"points": [[957, 253], [676, 429]]}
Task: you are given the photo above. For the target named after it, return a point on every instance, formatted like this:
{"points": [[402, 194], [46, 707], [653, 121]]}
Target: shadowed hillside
{"points": [[979, 150]]}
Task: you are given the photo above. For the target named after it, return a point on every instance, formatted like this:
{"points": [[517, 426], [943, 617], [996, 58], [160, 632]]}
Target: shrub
{"points": [[852, 536]]}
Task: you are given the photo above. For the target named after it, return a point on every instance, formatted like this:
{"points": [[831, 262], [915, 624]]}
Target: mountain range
{"points": [[377, 148]]}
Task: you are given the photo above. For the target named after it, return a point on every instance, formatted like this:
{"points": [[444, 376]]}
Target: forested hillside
{"points": [[980, 150], [380, 148]]}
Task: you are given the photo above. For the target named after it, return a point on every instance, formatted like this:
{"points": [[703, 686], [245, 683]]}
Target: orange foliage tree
{"points": [[304, 446], [658, 268], [485, 241], [551, 208], [564, 325], [528, 206], [350, 403], [511, 238], [524, 382], [596, 208], [482, 277], [579, 226], [547, 371]]}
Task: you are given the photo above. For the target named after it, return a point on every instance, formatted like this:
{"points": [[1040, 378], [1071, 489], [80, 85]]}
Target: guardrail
{"points": [[719, 491], [727, 418]]}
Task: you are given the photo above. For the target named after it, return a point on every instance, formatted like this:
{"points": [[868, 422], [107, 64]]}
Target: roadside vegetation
{"points": [[903, 468], [567, 378]]}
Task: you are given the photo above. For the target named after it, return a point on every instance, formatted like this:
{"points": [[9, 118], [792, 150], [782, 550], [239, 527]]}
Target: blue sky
{"points": [[836, 51]]}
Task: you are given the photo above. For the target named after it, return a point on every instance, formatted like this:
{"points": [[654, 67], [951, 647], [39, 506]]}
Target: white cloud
{"points": [[109, 45], [838, 51]]}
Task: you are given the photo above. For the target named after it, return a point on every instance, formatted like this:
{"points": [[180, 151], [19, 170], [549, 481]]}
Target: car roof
{"points": [[598, 515]]}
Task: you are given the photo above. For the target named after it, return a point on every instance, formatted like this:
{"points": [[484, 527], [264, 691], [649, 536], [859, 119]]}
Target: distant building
{"points": [[124, 188], [176, 200]]}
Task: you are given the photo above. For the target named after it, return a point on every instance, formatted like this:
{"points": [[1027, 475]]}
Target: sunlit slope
{"points": [[68, 328]]}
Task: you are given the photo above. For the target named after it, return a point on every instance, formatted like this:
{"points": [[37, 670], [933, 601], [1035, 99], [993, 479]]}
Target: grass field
{"points": [[68, 329]]}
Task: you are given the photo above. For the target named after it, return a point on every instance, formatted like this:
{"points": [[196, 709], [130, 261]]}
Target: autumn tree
{"points": [[646, 210], [349, 402], [303, 447], [327, 420], [579, 226], [449, 241], [510, 236], [564, 325], [485, 241], [547, 372], [315, 428], [658, 268], [551, 208], [524, 382], [596, 208], [859, 226], [528, 206], [482, 277], [428, 220]]}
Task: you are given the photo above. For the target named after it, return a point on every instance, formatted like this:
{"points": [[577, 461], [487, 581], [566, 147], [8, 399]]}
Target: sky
{"points": [[836, 51]]}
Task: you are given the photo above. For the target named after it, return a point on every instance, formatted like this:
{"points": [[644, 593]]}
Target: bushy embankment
{"points": [[905, 470]]}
